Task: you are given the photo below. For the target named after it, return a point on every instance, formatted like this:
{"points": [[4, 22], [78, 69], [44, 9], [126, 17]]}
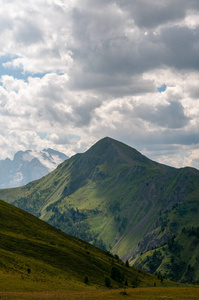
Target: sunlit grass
{"points": [[136, 294]]}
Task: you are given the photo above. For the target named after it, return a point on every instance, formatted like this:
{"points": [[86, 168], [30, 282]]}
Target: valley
{"points": [[117, 199]]}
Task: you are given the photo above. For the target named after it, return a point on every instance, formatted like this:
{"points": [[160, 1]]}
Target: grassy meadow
{"points": [[38, 261], [152, 293]]}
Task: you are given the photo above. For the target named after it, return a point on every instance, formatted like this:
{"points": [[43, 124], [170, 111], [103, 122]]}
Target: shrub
{"points": [[127, 263], [135, 282], [86, 280], [116, 274], [107, 281]]}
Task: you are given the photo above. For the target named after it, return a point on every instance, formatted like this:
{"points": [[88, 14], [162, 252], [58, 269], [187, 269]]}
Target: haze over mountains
{"points": [[27, 166], [115, 198]]}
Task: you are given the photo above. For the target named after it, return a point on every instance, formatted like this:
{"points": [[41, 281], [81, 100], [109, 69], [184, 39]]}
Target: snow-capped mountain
{"points": [[27, 166]]}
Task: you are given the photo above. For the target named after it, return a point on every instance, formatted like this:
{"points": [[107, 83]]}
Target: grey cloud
{"points": [[83, 111], [171, 137], [158, 139], [195, 163], [52, 91], [135, 87], [6, 23], [57, 107], [104, 52], [150, 14], [54, 115], [180, 137], [60, 139], [114, 85], [28, 33], [194, 91], [182, 47], [170, 116]]}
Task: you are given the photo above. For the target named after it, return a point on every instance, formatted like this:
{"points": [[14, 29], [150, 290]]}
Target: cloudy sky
{"points": [[72, 72]]}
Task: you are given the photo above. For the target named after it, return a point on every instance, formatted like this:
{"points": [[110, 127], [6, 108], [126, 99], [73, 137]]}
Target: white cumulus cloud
{"points": [[72, 72]]}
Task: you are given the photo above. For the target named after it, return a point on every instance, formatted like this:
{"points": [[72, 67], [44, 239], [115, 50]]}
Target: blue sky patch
{"points": [[162, 88], [42, 135], [17, 73]]}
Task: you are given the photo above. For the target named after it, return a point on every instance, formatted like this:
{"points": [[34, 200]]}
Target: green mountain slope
{"points": [[114, 197], [34, 255], [178, 259]]}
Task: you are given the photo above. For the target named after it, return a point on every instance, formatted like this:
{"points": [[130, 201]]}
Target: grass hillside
{"points": [[115, 198], [34, 253], [38, 261]]}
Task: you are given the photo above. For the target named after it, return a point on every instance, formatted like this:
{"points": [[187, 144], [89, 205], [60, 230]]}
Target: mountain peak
{"points": [[114, 197], [103, 144], [111, 149]]}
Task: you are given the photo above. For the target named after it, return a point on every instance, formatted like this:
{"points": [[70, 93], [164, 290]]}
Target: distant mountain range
{"points": [[27, 166], [116, 198]]}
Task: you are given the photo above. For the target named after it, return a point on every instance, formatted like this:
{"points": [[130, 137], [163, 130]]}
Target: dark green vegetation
{"points": [[115, 198], [178, 259], [34, 251]]}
